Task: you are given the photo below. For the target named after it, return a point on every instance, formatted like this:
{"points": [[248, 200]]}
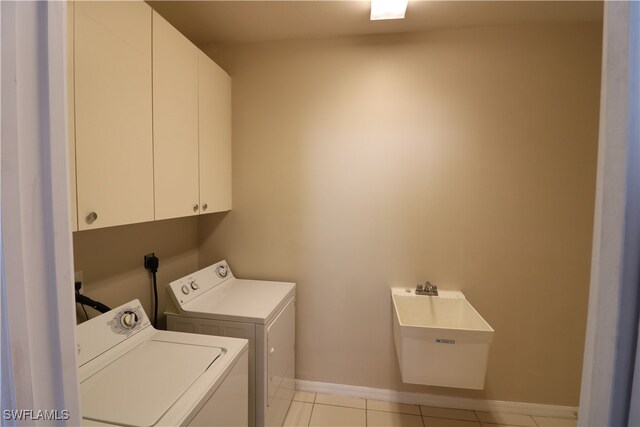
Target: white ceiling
{"points": [[246, 21]]}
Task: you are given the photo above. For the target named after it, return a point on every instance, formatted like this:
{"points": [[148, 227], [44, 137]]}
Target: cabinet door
{"points": [[114, 147], [175, 122], [214, 127]]}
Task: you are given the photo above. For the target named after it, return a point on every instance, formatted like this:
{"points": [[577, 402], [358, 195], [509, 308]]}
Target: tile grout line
{"points": [[366, 413], [289, 409], [535, 422], [313, 405]]}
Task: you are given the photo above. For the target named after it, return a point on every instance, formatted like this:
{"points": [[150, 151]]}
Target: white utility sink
{"points": [[440, 340]]}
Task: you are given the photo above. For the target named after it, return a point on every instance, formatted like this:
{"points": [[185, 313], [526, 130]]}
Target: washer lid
{"points": [[138, 388]]}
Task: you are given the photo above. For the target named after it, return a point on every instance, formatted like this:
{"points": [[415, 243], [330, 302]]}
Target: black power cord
{"points": [[77, 286], [84, 300], [81, 305], [151, 263]]}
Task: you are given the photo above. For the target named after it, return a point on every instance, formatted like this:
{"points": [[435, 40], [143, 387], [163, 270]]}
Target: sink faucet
{"points": [[427, 289]]}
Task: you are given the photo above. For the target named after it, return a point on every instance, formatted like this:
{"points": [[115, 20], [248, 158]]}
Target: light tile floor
{"points": [[317, 409]]}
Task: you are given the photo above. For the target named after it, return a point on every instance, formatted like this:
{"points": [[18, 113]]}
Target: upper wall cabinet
{"points": [[214, 112], [113, 113], [152, 119], [175, 122], [191, 125]]}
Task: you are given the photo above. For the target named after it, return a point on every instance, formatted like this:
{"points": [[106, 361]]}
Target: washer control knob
{"points": [[194, 285], [185, 289], [128, 320], [222, 271]]}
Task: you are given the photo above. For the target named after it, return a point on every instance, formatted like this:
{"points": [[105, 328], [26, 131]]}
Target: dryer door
{"points": [[281, 352]]}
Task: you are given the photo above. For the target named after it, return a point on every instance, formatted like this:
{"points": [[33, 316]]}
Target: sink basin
{"points": [[440, 340]]}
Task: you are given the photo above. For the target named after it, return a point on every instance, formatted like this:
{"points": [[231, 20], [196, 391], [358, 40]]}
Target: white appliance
{"points": [[212, 301], [132, 374]]}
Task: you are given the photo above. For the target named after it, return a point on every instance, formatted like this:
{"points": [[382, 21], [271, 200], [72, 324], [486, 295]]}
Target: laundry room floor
{"points": [[317, 409]]}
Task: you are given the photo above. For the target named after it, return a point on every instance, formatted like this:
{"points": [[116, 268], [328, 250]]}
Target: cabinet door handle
{"points": [[195, 207], [204, 206], [92, 217]]}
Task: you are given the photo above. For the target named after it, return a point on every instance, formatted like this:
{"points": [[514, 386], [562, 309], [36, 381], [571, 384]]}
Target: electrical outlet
{"points": [[77, 277]]}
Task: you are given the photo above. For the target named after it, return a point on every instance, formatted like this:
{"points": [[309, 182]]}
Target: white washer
{"points": [[212, 301], [132, 374]]}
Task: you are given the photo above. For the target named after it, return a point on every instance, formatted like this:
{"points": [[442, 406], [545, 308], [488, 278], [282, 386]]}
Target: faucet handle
{"points": [[419, 287]]}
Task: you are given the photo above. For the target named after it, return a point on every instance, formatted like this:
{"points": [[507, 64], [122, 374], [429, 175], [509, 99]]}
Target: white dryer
{"points": [[212, 301], [132, 374]]}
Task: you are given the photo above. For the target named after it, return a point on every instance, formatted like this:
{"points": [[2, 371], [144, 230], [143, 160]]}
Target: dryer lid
{"points": [[138, 388], [240, 300]]}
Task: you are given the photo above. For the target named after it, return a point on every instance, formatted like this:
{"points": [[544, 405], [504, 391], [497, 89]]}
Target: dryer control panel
{"points": [[97, 335], [189, 287]]}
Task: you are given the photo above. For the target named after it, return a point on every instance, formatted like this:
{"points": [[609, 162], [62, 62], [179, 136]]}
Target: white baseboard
{"points": [[439, 400]]}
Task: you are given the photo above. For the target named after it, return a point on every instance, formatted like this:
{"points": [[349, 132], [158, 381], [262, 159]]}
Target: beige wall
{"points": [[466, 157], [111, 260]]}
